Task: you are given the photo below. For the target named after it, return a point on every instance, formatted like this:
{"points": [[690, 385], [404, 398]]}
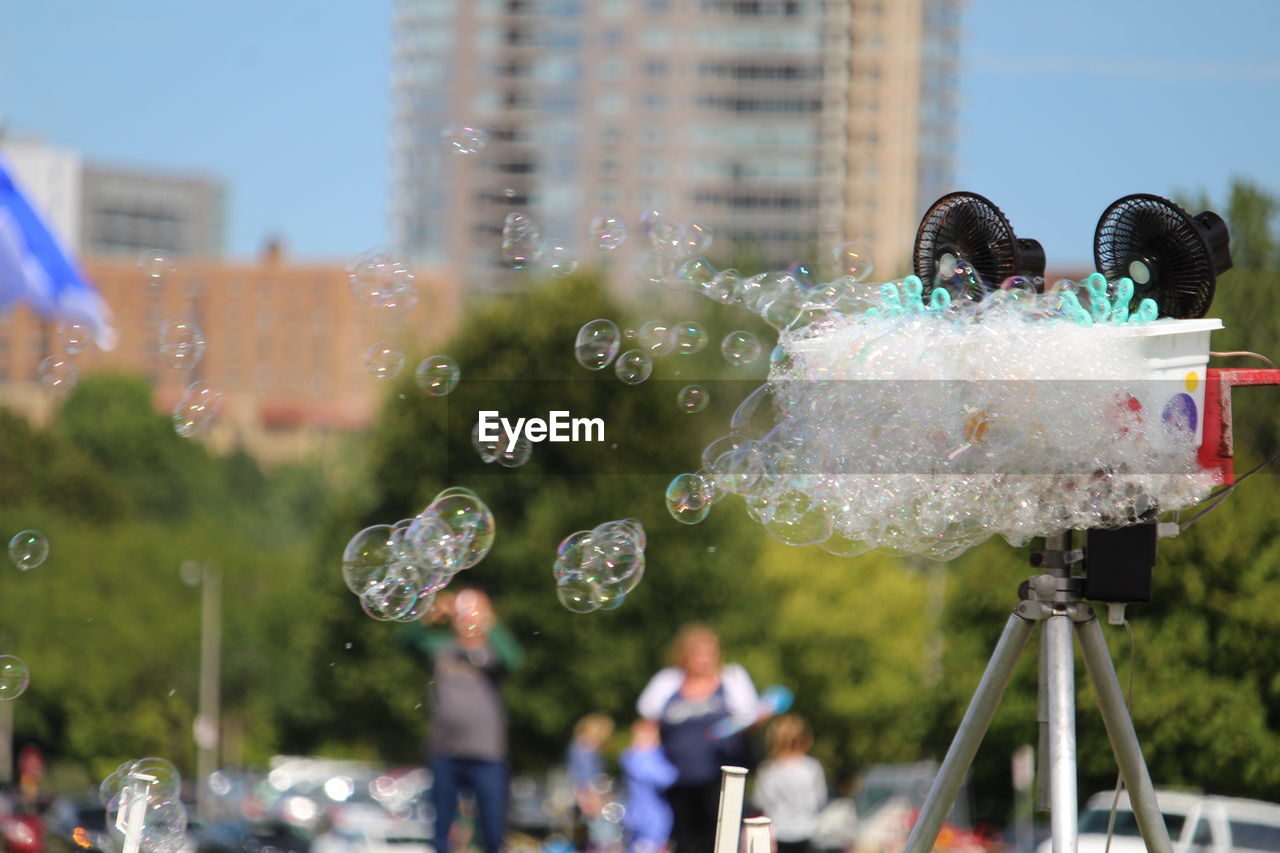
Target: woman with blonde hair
{"points": [[686, 700]]}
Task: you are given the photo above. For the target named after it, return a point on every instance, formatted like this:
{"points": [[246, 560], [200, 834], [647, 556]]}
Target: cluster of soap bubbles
{"points": [[600, 341], [397, 569], [59, 372], [180, 345], [919, 427], [143, 799], [666, 243], [14, 677], [28, 549], [595, 569], [381, 280], [523, 248]]}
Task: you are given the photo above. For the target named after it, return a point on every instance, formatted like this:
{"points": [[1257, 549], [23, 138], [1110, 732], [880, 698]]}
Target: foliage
{"points": [[106, 625], [882, 653]]}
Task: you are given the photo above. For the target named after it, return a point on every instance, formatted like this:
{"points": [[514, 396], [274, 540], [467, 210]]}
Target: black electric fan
{"points": [[967, 225], [1171, 256]]}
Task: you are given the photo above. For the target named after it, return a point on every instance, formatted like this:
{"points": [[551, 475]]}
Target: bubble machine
{"points": [[1172, 259]]}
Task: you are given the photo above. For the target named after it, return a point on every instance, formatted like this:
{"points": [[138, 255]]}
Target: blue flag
{"points": [[35, 269]]}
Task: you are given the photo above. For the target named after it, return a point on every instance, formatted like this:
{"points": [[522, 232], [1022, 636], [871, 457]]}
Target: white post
{"points": [[733, 788], [133, 810], [758, 835]]}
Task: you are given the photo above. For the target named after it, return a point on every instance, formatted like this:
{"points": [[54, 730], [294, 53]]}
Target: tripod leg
{"points": [[982, 707], [1062, 732], [1042, 729], [1124, 741]]}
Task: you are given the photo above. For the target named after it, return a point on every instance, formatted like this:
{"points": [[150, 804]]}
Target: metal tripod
{"points": [[1054, 599]]}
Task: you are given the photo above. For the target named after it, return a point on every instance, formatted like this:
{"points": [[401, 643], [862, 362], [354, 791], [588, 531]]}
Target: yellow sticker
{"points": [[1193, 381]]}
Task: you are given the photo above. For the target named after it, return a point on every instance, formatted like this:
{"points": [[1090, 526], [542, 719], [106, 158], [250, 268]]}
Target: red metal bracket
{"points": [[1216, 449]]}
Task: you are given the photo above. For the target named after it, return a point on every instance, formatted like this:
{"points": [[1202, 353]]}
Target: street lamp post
{"points": [[6, 743], [207, 725]]}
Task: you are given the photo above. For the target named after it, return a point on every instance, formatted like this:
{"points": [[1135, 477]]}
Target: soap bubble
{"points": [[388, 599], [521, 240], [667, 240], [597, 344], [692, 398], [697, 238], [465, 139], [595, 569], [803, 274], [163, 780], [378, 276], [368, 556], [557, 261], [488, 450], [697, 274], [470, 522], [578, 595], [517, 454], [437, 375], [182, 344], [14, 677], [58, 372], [853, 260], [74, 335], [28, 549], [613, 812], [431, 545], [197, 408], [651, 219], [607, 230], [740, 348], [960, 279], [723, 287], [690, 338], [688, 499], [399, 302], [156, 267], [154, 784], [656, 338], [383, 360], [633, 367]]}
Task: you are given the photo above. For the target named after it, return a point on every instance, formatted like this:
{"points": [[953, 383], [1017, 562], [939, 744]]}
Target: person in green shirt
{"points": [[469, 653]]}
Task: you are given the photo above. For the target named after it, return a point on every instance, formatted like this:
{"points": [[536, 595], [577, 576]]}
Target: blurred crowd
{"points": [[653, 789]]}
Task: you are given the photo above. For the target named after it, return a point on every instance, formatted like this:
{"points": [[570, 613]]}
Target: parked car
{"points": [[77, 825], [1197, 823]]}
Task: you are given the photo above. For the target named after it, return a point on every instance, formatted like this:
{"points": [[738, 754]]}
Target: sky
{"points": [[1065, 106]]}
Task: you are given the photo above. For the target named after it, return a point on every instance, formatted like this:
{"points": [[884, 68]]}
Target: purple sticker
{"points": [[1180, 413]]}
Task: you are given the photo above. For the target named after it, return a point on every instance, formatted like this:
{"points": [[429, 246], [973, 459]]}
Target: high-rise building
{"points": [[102, 210], [129, 211], [769, 120]]}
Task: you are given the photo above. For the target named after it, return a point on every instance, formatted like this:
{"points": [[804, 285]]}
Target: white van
{"points": [[1197, 824]]}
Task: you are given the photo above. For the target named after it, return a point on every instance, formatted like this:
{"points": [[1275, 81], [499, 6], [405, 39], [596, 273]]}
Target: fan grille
{"points": [[1160, 235], [974, 229]]}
